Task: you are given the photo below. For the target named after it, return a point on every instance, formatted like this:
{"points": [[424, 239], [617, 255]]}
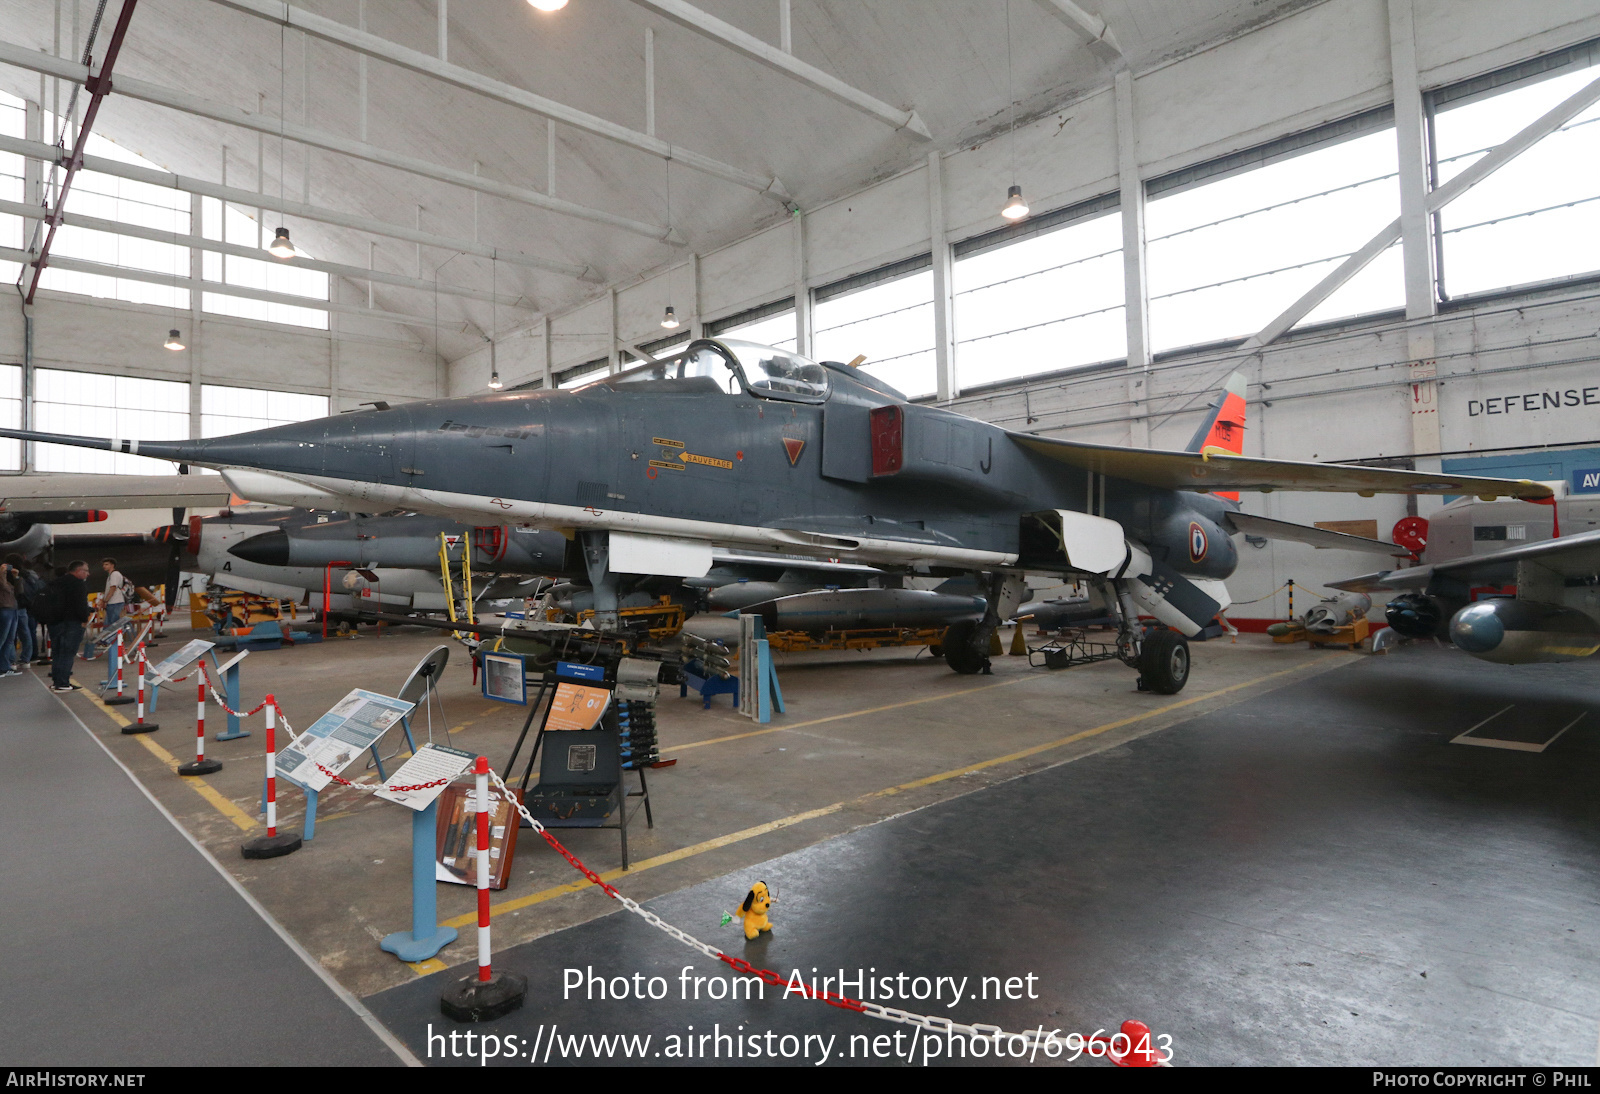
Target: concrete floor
{"points": [[1304, 805], [1314, 875]]}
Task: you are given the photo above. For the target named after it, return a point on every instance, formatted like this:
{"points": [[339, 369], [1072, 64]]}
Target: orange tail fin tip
{"points": [[1221, 432]]}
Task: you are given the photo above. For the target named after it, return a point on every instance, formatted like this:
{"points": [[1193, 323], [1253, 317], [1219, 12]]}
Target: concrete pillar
{"points": [[1136, 295], [192, 338], [1416, 241], [804, 335], [944, 346], [544, 339]]}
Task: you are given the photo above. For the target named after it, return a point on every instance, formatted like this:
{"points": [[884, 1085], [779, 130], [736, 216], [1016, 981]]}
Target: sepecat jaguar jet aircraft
{"points": [[734, 445]]}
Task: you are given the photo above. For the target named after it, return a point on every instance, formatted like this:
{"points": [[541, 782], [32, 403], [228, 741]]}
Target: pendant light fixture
{"points": [[174, 341], [281, 246], [494, 322], [670, 319], [1015, 208], [547, 5]]}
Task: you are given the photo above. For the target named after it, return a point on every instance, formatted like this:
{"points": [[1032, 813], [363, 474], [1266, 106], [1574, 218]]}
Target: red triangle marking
{"points": [[794, 446]]}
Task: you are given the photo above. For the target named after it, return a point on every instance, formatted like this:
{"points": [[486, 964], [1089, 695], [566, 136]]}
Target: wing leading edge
{"points": [[1207, 472]]}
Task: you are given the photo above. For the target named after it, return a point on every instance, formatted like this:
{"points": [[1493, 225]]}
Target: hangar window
{"points": [[12, 124], [1536, 218], [95, 405], [586, 373], [884, 315], [11, 415], [225, 410], [224, 222], [770, 325], [1042, 295], [106, 197], [1233, 242]]}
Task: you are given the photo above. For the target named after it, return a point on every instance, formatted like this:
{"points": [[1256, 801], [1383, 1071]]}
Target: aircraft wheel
{"points": [[960, 648], [1164, 662]]}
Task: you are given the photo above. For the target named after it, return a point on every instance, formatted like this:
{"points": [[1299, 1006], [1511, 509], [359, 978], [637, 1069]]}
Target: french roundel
{"points": [[1198, 543]]}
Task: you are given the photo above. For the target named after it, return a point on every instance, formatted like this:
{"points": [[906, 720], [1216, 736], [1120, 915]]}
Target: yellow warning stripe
{"points": [[740, 836], [198, 785]]}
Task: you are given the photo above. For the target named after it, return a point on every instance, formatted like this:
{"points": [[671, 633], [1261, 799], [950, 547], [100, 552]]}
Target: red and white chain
{"points": [[1033, 1038], [215, 698], [373, 788]]}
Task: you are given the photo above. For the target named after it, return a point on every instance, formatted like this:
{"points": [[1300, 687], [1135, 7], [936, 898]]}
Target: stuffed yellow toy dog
{"points": [[754, 910]]}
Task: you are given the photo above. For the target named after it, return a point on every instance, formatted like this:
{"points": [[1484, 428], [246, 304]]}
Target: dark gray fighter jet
{"points": [[733, 445]]}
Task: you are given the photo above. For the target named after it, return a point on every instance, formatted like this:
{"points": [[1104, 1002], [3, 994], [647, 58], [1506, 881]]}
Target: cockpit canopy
{"points": [[733, 366]]}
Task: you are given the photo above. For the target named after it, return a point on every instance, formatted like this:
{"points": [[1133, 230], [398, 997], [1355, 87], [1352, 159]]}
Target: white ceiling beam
{"points": [[1498, 157], [127, 273], [67, 69], [1088, 26], [251, 199], [371, 45], [709, 26], [336, 269]]}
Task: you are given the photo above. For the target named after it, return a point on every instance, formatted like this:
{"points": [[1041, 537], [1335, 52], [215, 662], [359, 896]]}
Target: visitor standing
{"points": [[27, 587], [115, 598], [63, 606], [9, 576]]}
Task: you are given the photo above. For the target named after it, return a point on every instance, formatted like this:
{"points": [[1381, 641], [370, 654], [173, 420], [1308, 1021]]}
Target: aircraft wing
{"points": [[1210, 471], [53, 493], [1570, 557], [1322, 538]]}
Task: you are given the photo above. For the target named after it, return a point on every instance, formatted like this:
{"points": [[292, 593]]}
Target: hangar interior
{"points": [[1379, 214]]}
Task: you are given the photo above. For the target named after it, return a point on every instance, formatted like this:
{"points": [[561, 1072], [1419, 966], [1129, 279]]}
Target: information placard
{"points": [[504, 678], [577, 706], [163, 671], [430, 764], [353, 725]]}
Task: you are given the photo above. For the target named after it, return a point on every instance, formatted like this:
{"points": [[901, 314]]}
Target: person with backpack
{"points": [[115, 598], [8, 618], [63, 606], [27, 586]]}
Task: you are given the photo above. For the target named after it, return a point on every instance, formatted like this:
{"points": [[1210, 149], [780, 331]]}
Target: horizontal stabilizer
{"points": [[1206, 472], [1321, 538]]}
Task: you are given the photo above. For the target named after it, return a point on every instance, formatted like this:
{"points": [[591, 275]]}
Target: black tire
{"points": [[961, 650], [1164, 662]]}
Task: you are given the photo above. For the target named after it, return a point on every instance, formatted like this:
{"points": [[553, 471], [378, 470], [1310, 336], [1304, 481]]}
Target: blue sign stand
{"points": [[230, 684], [426, 937]]}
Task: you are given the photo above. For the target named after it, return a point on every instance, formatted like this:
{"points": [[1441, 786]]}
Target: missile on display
{"points": [[1523, 632], [864, 609], [410, 541]]}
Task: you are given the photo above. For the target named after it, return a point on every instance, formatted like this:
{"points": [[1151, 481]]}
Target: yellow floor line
{"points": [[199, 786], [852, 714], [812, 814]]}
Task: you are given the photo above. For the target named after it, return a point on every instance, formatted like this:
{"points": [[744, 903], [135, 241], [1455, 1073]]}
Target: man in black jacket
{"points": [[64, 606]]}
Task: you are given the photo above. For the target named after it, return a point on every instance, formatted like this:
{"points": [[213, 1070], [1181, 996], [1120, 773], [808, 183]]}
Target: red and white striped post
{"points": [[200, 765], [141, 726], [490, 994], [482, 772], [271, 845], [119, 698]]}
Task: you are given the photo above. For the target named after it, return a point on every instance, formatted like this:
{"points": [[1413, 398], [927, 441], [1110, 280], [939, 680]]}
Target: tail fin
{"points": [[1222, 429]]}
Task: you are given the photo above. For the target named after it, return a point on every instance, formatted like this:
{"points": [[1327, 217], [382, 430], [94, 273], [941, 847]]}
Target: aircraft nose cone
{"points": [[267, 549], [1477, 628]]}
